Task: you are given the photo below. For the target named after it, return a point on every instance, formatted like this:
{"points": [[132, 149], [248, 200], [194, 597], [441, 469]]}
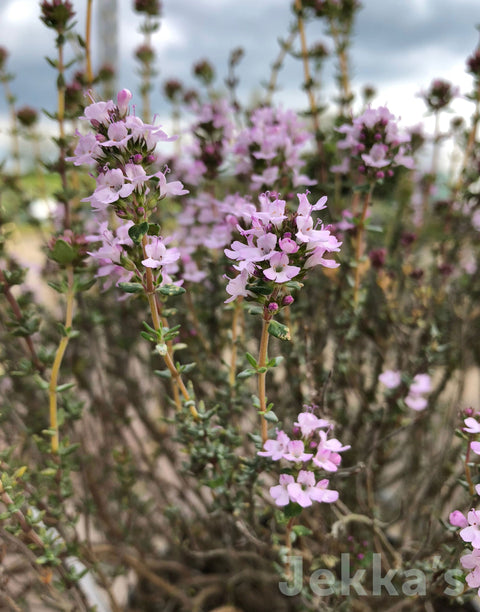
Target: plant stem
{"points": [[285, 47], [52, 389], [233, 357], [18, 314], [340, 48], [88, 32], [262, 360], [309, 89], [359, 245], [61, 128], [176, 376], [288, 544], [468, 475]]}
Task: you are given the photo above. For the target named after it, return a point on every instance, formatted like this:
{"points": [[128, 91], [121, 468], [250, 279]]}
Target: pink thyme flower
{"points": [[472, 561], [457, 519], [118, 135], [421, 384], [471, 533], [237, 286], [309, 423], [280, 492], [158, 255], [304, 490], [416, 402], [99, 112], [296, 452], [390, 378], [87, 151], [123, 99], [280, 271], [328, 450], [472, 425], [276, 449]]}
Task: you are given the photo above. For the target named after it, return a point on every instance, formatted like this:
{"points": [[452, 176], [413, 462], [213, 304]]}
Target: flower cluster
{"points": [[470, 533], [311, 449], [373, 145], [418, 389], [269, 150], [439, 95], [122, 149], [279, 246], [212, 132], [206, 223]]}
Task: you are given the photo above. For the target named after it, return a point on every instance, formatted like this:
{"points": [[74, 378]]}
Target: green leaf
{"points": [[131, 287], [84, 285], [170, 290], [63, 253], [294, 285], [292, 510], [68, 450], [251, 360], [273, 363], [279, 330], [64, 387], [270, 416], [254, 309], [137, 232], [246, 373], [154, 229], [163, 373], [260, 288], [58, 287], [301, 530]]}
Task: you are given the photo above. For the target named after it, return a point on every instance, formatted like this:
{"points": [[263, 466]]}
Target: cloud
{"points": [[399, 45]]}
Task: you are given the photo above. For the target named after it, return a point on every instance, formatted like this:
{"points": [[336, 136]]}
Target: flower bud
{"points": [[123, 99]]}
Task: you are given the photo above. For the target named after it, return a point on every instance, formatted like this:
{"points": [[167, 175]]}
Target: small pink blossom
{"points": [[472, 561], [276, 449], [280, 271], [390, 378], [471, 533], [304, 490], [421, 384], [309, 423], [472, 425], [280, 492], [457, 519], [158, 255], [296, 452], [416, 402], [237, 286]]}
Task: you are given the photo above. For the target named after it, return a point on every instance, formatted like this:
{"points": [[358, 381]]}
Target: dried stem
{"points": [[309, 89], [88, 49], [359, 245], [277, 64], [18, 314], [157, 325]]}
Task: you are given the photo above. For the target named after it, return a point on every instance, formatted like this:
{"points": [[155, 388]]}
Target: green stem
{"points": [[52, 389], [262, 361]]}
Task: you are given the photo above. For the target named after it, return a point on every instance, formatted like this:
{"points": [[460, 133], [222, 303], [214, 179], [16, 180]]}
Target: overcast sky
{"points": [[399, 46]]}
